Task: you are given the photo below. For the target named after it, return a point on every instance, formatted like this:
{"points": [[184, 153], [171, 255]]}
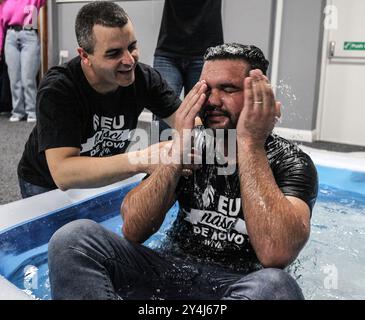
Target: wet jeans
{"points": [[87, 261]]}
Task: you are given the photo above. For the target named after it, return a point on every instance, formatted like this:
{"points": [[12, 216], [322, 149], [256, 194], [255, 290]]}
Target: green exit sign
{"points": [[354, 45]]}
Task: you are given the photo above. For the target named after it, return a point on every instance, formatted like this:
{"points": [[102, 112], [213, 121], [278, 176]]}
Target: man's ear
{"points": [[84, 56]]}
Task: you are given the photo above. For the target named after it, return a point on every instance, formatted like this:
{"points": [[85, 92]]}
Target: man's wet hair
{"points": [[250, 53], [104, 13]]}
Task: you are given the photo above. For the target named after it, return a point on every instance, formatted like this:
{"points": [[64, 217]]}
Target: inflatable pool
{"points": [[329, 267]]}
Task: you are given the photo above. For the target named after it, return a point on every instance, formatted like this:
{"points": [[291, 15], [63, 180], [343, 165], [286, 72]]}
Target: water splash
{"points": [[286, 91]]}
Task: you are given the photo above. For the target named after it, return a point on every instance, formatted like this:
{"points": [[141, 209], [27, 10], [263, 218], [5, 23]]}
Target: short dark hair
{"points": [[250, 53], [104, 13]]}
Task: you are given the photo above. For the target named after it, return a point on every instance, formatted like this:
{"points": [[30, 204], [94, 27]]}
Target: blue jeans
{"points": [[29, 190], [22, 53], [179, 73], [87, 261]]}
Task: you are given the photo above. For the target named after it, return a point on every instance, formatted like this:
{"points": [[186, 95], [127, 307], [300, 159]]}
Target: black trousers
{"points": [[5, 93]]}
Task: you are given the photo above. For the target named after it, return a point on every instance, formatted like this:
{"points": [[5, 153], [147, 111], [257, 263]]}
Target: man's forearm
{"points": [[93, 172], [144, 208], [274, 226]]}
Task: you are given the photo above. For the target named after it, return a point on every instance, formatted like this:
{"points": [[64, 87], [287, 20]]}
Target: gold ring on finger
{"points": [[186, 172]]}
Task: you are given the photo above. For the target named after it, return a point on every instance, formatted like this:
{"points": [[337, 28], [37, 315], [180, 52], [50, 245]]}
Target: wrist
{"points": [[138, 161], [249, 145]]}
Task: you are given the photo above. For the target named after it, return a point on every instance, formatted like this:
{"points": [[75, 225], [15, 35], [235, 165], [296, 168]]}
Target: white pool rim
{"points": [[354, 161]]}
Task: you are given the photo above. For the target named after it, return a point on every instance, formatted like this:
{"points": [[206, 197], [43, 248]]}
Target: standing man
{"points": [[234, 233], [188, 28], [87, 108]]}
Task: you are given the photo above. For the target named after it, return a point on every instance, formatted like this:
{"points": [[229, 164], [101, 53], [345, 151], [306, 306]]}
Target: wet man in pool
{"points": [[236, 230]]}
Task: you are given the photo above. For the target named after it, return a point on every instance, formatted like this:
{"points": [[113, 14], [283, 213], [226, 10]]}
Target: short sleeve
{"points": [[159, 97], [59, 117], [295, 174]]}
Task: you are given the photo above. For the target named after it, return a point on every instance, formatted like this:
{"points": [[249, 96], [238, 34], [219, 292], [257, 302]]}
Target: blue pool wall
{"points": [[344, 179], [37, 232]]}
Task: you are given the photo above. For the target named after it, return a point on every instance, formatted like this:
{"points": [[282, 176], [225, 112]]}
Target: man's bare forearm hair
{"points": [[144, 208], [278, 226]]}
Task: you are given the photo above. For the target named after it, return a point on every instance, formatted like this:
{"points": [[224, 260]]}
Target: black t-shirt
{"points": [[72, 114], [210, 224], [189, 27]]}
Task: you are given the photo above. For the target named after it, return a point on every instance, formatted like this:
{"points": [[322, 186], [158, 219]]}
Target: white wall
{"points": [[249, 22], [145, 15]]}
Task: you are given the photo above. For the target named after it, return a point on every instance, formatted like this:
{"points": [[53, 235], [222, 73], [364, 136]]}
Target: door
{"points": [[342, 99]]}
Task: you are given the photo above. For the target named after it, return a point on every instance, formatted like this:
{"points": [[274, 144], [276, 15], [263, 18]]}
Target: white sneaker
{"points": [[16, 118], [31, 119]]}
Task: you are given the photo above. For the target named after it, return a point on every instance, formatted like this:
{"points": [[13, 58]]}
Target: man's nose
{"points": [[127, 58], [214, 98]]}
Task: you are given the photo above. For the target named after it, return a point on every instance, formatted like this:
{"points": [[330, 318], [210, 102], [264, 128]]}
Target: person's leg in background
{"points": [[2, 68], [30, 63], [170, 70], [192, 70], [12, 57], [5, 93]]}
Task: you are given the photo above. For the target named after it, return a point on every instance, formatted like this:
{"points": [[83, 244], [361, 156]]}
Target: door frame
{"points": [[43, 22], [322, 81]]}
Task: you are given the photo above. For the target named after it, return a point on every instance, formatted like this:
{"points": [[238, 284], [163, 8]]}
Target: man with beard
{"points": [[234, 233]]}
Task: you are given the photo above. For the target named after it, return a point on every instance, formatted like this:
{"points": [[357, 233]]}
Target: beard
{"points": [[210, 111]]}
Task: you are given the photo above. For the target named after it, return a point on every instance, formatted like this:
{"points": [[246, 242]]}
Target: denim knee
{"points": [[283, 286], [92, 239], [265, 284], [73, 234]]}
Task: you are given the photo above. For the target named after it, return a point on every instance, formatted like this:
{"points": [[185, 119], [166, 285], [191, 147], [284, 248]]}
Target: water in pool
{"points": [[331, 266]]}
